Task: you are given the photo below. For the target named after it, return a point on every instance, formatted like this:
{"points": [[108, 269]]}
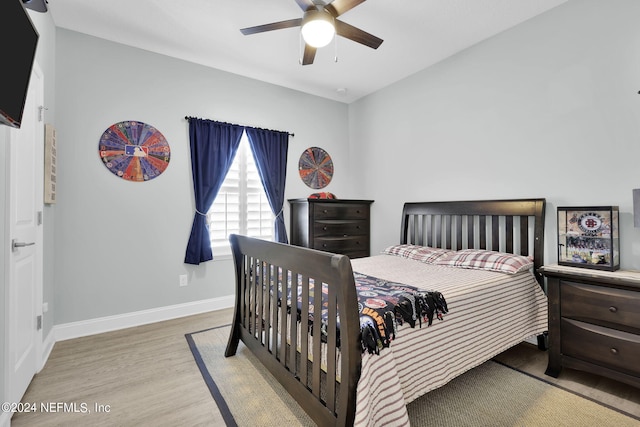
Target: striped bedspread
{"points": [[488, 313]]}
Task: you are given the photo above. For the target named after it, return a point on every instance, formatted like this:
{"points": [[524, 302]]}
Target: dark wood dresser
{"points": [[333, 225], [594, 322]]}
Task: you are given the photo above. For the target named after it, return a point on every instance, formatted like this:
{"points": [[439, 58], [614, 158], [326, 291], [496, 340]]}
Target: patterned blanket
{"points": [[382, 306]]}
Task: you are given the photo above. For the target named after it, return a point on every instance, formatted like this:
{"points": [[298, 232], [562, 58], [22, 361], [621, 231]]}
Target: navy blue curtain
{"points": [[213, 147], [269, 150]]}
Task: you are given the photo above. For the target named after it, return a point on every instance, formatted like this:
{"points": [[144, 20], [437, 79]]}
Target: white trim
{"points": [[39, 207], [35, 100], [84, 328], [47, 346], [5, 138]]}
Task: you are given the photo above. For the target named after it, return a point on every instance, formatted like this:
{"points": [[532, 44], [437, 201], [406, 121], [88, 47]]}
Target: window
{"points": [[241, 206]]}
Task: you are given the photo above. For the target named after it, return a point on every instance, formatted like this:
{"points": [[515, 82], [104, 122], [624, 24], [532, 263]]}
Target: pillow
{"points": [[487, 260], [424, 254]]}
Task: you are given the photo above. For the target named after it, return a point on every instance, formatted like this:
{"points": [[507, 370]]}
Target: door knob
{"points": [[15, 245]]}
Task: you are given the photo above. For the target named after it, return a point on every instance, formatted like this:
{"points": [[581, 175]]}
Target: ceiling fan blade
{"points": [[338, 7], [357, 35], [309, 55], [305, 4], [273, 26], [37, 5]]}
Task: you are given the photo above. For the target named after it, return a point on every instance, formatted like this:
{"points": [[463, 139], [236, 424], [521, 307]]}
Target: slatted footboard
{"points": [[267, 274]]}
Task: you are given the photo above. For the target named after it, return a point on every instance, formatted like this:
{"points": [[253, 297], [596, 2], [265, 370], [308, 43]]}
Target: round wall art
{"points": [[134, 151], [315, 167]]}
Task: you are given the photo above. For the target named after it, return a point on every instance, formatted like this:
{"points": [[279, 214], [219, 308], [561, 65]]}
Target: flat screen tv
{"points": [[18, 42]]}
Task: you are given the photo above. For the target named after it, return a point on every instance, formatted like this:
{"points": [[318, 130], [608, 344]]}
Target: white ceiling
{"points": [[416, 34]]}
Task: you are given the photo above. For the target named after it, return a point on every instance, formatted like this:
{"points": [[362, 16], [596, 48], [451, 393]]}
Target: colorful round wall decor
{"points": [[134, 151], [315, 167]]}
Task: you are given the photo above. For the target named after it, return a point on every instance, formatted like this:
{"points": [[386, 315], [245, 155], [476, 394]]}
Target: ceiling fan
{"points": [[37, 5], [319, 24]]}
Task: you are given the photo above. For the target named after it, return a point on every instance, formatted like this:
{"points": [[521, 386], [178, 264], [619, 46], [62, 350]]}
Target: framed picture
{"points": [[588, 237]]}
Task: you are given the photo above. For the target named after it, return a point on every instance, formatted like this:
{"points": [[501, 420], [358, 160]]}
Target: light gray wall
{"points": [[120, 246], [547, 109]]}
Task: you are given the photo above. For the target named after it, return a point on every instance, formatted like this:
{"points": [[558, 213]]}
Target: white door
{"points": [[25, 194]]}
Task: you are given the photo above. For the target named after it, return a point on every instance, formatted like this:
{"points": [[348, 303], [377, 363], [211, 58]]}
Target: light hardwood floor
{"points": [[147, 376]]}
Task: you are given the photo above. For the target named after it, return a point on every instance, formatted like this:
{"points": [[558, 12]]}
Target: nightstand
{"points": [[332, 225], [594, 322]]}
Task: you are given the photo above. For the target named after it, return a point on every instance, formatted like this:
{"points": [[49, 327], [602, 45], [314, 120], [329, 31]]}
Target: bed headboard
{"points": [[514, 226]]}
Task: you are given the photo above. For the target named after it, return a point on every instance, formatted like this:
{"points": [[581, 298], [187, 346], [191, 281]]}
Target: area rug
{"points": [[490, 395]]}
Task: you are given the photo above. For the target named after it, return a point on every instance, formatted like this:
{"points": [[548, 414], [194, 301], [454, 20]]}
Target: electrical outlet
{"points": [[183, 280], [45, 307]]}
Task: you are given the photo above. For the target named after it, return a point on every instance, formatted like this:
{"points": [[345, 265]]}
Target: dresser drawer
{"points": [[338, 228], [342, 244], [341, 211], [599, 304], [603, 346]]}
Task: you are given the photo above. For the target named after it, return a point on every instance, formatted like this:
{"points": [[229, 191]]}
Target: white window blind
{"points": [[241, 206]]}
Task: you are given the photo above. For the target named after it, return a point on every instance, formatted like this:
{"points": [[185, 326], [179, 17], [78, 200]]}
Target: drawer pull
{"points": [[614, 350], [613, 309], [324, 228], [324, 211]]}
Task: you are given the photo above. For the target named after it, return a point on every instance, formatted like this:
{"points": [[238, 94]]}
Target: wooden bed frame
{"points": [[514, 226]]}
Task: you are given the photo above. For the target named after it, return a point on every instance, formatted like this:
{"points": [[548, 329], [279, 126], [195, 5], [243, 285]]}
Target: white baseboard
{"points": [[47, 346], [111, 323]]}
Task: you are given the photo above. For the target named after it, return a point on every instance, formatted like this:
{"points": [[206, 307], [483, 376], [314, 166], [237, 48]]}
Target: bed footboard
{"points": [[267, 321]]}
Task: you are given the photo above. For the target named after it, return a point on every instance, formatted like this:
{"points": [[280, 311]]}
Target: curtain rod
{"points": [[288, 133]]}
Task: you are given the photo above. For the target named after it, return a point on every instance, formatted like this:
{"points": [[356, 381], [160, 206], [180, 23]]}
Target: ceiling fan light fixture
{"points": [[318, 28]]}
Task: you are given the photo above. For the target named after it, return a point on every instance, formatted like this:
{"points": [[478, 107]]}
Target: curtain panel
{"points": [[213, 148], [269, 150]]}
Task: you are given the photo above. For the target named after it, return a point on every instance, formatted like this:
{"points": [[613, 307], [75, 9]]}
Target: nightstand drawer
{"points": [[341, 228], [603, 346], [599, 304], [340, 211]]}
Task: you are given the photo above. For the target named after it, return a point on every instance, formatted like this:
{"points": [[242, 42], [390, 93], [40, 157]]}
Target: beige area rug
{"points": [[489, 395]]}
